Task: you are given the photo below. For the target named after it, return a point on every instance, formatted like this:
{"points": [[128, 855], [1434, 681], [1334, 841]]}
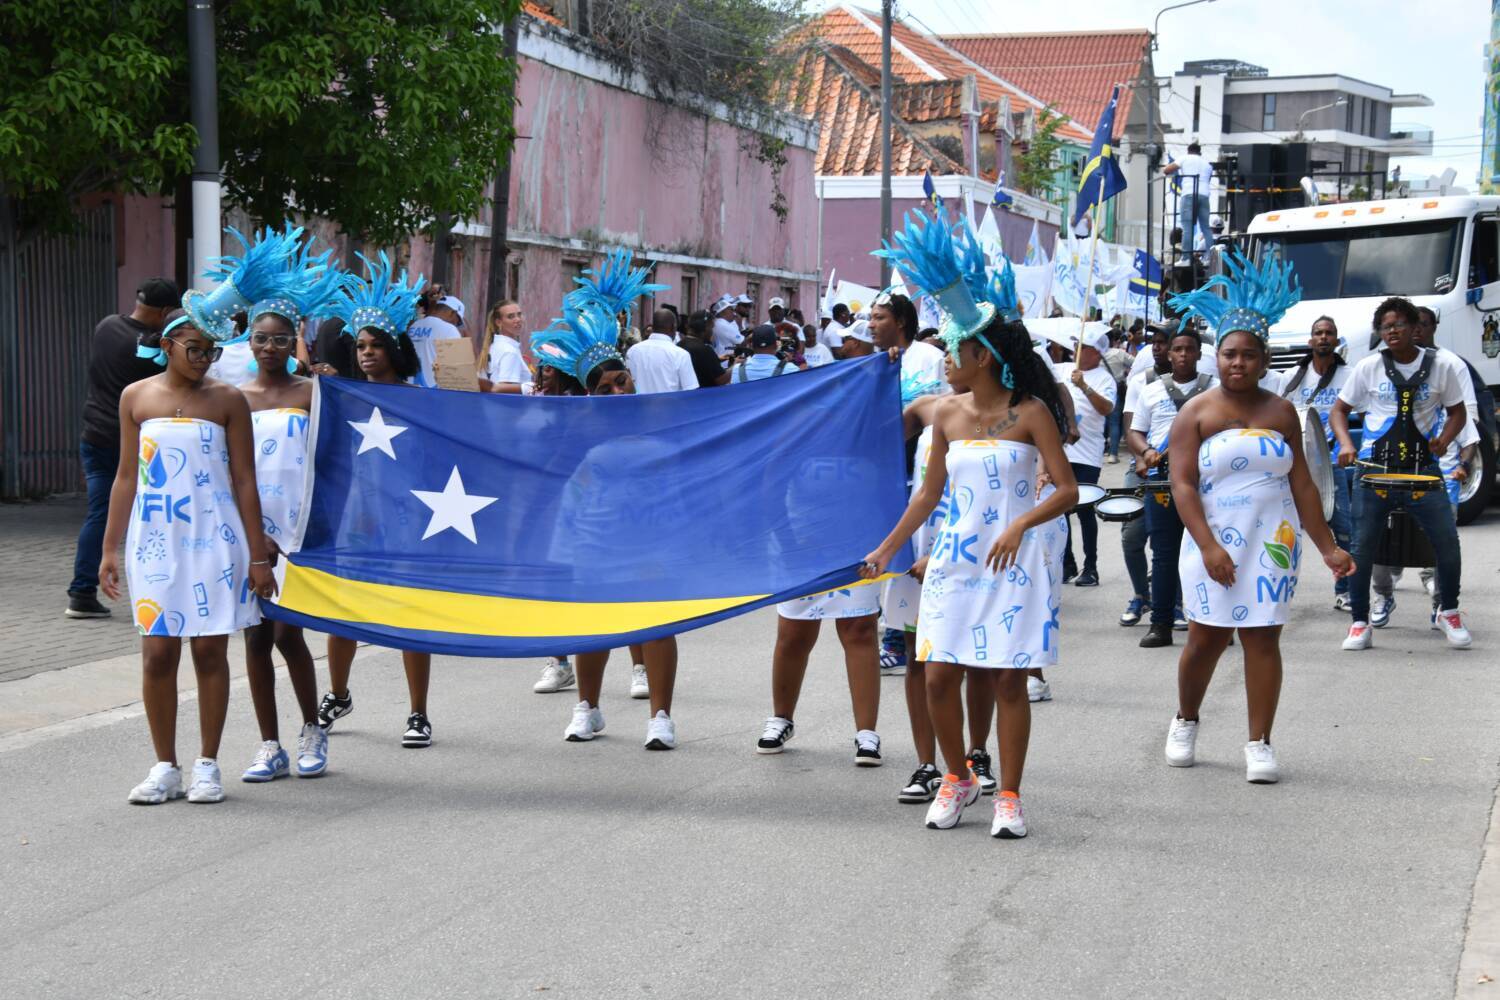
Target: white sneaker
{"points": [[1429, 582], [556, 675], [1381, 608], [1182, 742], [1038, 689], [1341, 603], [1452, 624], [207, 784], [587, 723], [953, 795], [661, 732], [639, 688], [163, 783], [1260, 764], [1009, 822], [1359, 636]]}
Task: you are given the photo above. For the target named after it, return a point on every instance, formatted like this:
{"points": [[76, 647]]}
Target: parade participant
{"points": [[379, 310], [504, 367], [1240, 485], [113, 364], [1197, 176], [657, 364], [814, 351], [727, 335], [710, 371], [832, 336], [581, 346], [1093, 390], [990, 618], [1160, 400], [1314, 384], [1133, 532], [893, 324], [1117, 361], [425, 332], [858, 341], [1413, 405]]}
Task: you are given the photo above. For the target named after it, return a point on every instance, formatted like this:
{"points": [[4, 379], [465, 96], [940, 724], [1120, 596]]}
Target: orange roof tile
{"points": [[1073, 69]]}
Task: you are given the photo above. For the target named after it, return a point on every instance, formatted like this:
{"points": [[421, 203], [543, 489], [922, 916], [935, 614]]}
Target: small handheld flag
{"points": [[930, 190], [1147, 279], [1102, 178], [1001, 198], [1174, 179]]}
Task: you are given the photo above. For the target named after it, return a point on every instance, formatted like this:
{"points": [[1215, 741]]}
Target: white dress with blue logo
{"points": [[187, 564], [902, 594], [1242, 479], [280, 470], [969, 614]]}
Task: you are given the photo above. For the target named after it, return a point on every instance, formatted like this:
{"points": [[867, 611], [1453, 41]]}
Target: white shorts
{"points": [[847, 602]]}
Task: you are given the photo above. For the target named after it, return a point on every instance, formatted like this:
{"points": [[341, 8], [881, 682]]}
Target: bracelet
{"points": [[260, 562]]}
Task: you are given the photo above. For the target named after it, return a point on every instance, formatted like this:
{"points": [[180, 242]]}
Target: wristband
{"points": [[260, 562]]}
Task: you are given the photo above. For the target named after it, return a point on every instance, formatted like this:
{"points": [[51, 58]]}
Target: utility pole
{"points": [[203, 107], [885, 137], [441, 232], [500, 211]]}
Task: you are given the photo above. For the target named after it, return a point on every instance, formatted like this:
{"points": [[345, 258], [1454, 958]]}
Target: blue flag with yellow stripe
{"points": [[1147, 278], [1102, 178], [493, 525]]}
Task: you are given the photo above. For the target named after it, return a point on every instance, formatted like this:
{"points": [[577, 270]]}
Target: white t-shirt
{"points": [[505, 363], [1155, 410], [1368, 391], [1039, 348], [1304, 396], [1272, 380], [1089, 448], [422, 333], [923, 362], [817, 355], [1208, 362], [233, 365], [832, 335], [659, 365], [727, 335], [1193, 165]]}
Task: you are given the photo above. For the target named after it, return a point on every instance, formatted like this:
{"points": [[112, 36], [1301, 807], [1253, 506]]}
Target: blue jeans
{"points": [[1133, 542], [1193, 211], [99, 466], [1114, 427], [1343, 517], [1433, 515], [1165, 529]]}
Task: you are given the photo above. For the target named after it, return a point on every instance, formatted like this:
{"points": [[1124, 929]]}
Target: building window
{"points": [[1268, 112], [1370, 125], [1197, 104], [752, 289], [1349, 114], [572, 268], [789, 293], [513, 278]]}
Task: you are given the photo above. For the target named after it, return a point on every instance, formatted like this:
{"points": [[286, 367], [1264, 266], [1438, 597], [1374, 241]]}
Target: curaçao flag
{"points": [[492, 525], [1102, 178]]}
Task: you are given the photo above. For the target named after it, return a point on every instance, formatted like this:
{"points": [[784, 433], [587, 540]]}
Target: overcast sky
{"points": [[1432, 47]]}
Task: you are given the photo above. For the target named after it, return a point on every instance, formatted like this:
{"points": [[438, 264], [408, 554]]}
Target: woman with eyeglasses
{"points": [[185, 503]]}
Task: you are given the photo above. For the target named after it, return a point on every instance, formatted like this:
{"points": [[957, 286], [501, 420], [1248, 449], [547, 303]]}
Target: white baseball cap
{"points": [[777, 302], [744, 300], [1097, 339], [454, 303], [860, 331], [725, 302]]}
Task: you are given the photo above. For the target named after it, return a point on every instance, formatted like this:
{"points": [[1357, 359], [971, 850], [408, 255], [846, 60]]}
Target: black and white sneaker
{"points": [[418, 731], [86, 606], [777, 734], [922, 786], [332, 708], [867, 748], [979, 763]]}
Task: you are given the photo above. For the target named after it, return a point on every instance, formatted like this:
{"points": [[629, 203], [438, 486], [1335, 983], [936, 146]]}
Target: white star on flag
{"points": [[376, 433], [452, 508]]}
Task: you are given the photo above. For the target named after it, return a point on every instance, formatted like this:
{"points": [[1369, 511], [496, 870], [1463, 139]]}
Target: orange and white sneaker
{"points": [[1359, 636], [953, 795], [1010, 821], [1452, 624]]}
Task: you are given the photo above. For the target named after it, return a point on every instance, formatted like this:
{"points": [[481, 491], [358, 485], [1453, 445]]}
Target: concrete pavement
{"points": [[504, 862]]}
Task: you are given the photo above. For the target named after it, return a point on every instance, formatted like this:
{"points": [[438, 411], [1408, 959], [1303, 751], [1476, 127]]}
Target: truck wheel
{"points": [[1474, 495]]}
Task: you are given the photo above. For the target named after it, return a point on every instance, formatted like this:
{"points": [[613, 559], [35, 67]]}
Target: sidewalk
{"points": [[38, 566]]}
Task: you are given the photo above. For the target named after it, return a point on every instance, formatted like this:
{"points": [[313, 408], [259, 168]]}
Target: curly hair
{"points": [[1028, 372]]}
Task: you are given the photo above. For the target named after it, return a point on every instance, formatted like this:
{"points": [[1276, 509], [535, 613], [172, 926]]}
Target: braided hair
{"points": [[1028, 374]]}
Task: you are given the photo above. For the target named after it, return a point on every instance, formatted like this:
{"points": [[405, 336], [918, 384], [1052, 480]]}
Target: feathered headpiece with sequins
{"points": [[377, 300], [1255, 297], [588, 334], [263, 271], [317, 281], [926, 256], [614, 285]]}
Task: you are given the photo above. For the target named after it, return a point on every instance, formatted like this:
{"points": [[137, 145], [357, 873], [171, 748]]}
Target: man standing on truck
{"points": [[1197, 174], [1413, 404]]}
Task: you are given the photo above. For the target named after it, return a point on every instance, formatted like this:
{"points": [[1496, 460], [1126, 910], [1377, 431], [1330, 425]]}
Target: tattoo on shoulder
{"points": [[1007, 421]]}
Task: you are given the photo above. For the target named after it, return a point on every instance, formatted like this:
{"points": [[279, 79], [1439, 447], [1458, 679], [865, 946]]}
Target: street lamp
{"points": [[1153, 151], [1326, 107]]}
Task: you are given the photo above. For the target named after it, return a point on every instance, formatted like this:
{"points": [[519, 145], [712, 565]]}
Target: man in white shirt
{"points": [[832, 336], [893, 323], [505, 368], [1413, 404], [815, 353], [742, 306], [432, 327], [1133, 533], [1197, 175], [657, 364], [1093, 390], [726, 332], [1157, 406], [858, 341]]}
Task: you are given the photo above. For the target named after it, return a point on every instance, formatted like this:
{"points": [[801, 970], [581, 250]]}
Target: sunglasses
{"points": [[274, 339], [209, 354]]}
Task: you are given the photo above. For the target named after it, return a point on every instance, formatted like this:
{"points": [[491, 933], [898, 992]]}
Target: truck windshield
{"points": [[1410, 258]]}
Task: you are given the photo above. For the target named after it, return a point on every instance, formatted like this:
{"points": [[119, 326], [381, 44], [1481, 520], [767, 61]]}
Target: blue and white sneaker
{"points": [[1134, 611], [312, 751], [271, 762], [1179, 620], [1380, 610]]}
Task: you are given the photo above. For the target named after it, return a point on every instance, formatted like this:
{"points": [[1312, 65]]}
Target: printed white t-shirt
{"points": [[1369, 391], [1089, 448], [1154, 410], [422, 333]]}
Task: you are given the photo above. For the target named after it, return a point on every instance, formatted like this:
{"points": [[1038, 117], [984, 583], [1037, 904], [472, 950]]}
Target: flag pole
{"points": [[1088, 288]]}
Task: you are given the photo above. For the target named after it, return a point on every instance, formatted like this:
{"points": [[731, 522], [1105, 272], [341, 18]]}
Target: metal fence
{"points": [[63, 286]]}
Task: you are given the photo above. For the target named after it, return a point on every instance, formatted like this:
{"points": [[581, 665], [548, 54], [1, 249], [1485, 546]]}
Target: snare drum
{"points": [[1088, 495], [1120, 505], [1401, 485]]}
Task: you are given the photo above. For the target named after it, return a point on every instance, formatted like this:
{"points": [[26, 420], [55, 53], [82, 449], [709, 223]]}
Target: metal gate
{"points": [[64, 285]]}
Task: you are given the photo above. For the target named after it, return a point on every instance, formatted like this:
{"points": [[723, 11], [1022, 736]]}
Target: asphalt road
{"points": [[503, 862]]}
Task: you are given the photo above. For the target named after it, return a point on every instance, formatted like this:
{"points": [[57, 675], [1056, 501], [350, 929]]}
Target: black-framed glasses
{"points": [[1393, 327], [274, 339], [209, 354]]}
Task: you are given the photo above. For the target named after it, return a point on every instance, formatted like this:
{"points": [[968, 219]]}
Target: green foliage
{"points": [[1035, 169], [378, 116]]}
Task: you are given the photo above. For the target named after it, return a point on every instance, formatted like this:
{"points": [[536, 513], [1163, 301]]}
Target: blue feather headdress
{"points": [[377, 300], [927, 259], [1256, 297], [585, 338], [1000, 291], [316, 282], [915, 384], [261, 272], [614, 286]]}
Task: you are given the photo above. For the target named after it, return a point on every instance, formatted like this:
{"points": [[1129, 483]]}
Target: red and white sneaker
{"points": [[1010, 821], [953, 795], [1360, 636], [1452, 624]]}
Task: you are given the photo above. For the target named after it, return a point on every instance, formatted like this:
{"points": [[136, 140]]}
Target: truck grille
{"points": [[1291, 357]]}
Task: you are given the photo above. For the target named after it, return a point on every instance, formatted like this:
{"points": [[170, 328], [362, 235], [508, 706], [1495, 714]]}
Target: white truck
{"points": [[1443, 253]]}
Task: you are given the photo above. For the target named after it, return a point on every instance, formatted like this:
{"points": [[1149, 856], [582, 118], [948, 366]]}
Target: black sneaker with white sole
{"points": [[86, 606], [923, 785], [776, 734], [418, 731], [867, 748], [979, 763], [332, 708]]}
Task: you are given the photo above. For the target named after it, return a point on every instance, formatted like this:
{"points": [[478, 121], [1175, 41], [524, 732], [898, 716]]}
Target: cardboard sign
{"points": [[453, 366]]}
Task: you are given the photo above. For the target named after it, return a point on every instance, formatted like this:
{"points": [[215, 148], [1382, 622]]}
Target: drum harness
{"points": [[1403, 446], [1177, 396], [1323, 382]]}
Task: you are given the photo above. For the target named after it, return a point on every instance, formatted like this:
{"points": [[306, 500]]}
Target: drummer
{"points": [[1133, 532], [1150, 431], [1093, 390], [1413, 405], [1314, 385]]}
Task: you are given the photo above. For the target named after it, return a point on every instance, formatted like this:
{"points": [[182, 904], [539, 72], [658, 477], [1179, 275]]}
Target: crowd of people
{"points": [[196, 425]]}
